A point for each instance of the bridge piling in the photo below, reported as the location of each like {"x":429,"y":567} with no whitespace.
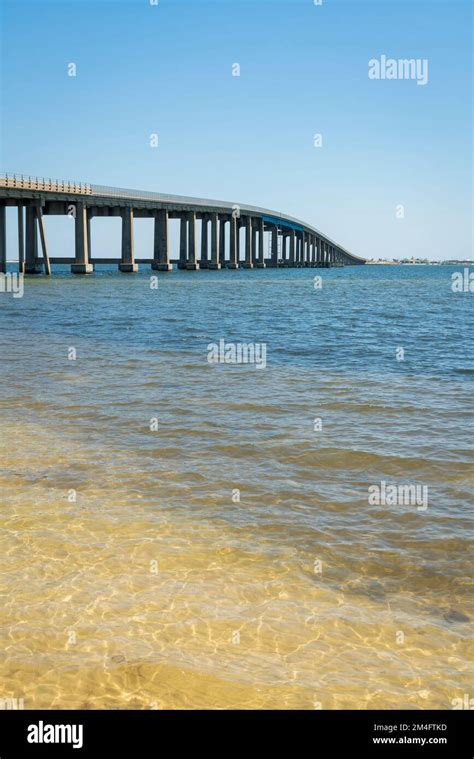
{"x":32,"y":265}
{"x":288,"y":250}
{"x":183,"y":242}
{"x":3,"y":240}
{"x":248,"y":263}
{"x":161,"y":253}
{"x":282,"y":261}
{"x":89,"y":215}
{"x":273,"y":261}
{"x":21,"y":240}
{"x":261,"y":244}
{"x":214,"y":263}
{"x":234,"y":255}
{"x":81,"y":263}
{"x":222,"y":224}
{"x":254,"y":243}
{"x":192,"y":264}
{"x":127,"y":263}
{"x":291,"y":252}
{"x":204,"y":260}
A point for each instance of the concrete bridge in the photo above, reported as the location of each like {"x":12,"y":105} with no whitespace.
{"x":292,"y":243}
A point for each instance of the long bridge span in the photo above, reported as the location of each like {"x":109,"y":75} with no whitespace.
{"x":292,"y":243}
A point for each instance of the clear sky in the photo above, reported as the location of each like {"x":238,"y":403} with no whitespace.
{"x":143,"y":69}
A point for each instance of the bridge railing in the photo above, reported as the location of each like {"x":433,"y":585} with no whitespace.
{"x":123,"y":192}
{"x":27,"y":182}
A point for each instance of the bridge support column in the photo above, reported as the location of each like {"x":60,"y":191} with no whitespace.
{"x":318,"y":251}
{"x":32,"y":265}
{"x":161,"y":251}
{"x":192,"y":264}
{"x":204,"y":260}
{"x":214,"y":263}
{"x":261,"y":244}
{"x":283,"y":249}
{"x":89,"y":233}
{"x":273,"y":262}
{"x":291,"y":261}
{"x":313,"y":252}
{"x":254,"y":242}
{"x":248,"y":264}
{"x":183,"y":243}
{"x":21,"y":241}
{"x":234,"y":244}
{"x":307,"y":250}
{"x":3,"y":240}
{"x":81,"y":263}
{"x":127,"y":263}
{"x":222,"y":223}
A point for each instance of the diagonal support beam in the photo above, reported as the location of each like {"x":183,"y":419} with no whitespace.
{"x":44,"y":244}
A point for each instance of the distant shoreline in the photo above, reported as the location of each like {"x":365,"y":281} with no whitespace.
{"x":419,"y":263}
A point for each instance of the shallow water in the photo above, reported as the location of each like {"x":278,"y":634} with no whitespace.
{"x":157,"y":587}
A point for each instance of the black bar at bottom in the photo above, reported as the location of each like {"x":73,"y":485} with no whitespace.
{"x":318,"y":733}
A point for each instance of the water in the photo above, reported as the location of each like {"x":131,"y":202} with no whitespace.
{"x":157,"y":587}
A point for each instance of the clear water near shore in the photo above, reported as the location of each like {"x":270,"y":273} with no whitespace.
{"x":155,"y":588}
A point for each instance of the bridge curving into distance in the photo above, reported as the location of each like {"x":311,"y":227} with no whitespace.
{"x":292,"y":243}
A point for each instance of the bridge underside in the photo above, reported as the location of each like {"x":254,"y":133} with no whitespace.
{"x":268,"y":240}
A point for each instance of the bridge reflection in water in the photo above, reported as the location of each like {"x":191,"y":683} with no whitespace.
{"x":292,"y":243}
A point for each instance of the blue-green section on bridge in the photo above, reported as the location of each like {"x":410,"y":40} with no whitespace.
{"x":282,"y":222}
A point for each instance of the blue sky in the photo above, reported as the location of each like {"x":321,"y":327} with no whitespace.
{"x":167,"y":69}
